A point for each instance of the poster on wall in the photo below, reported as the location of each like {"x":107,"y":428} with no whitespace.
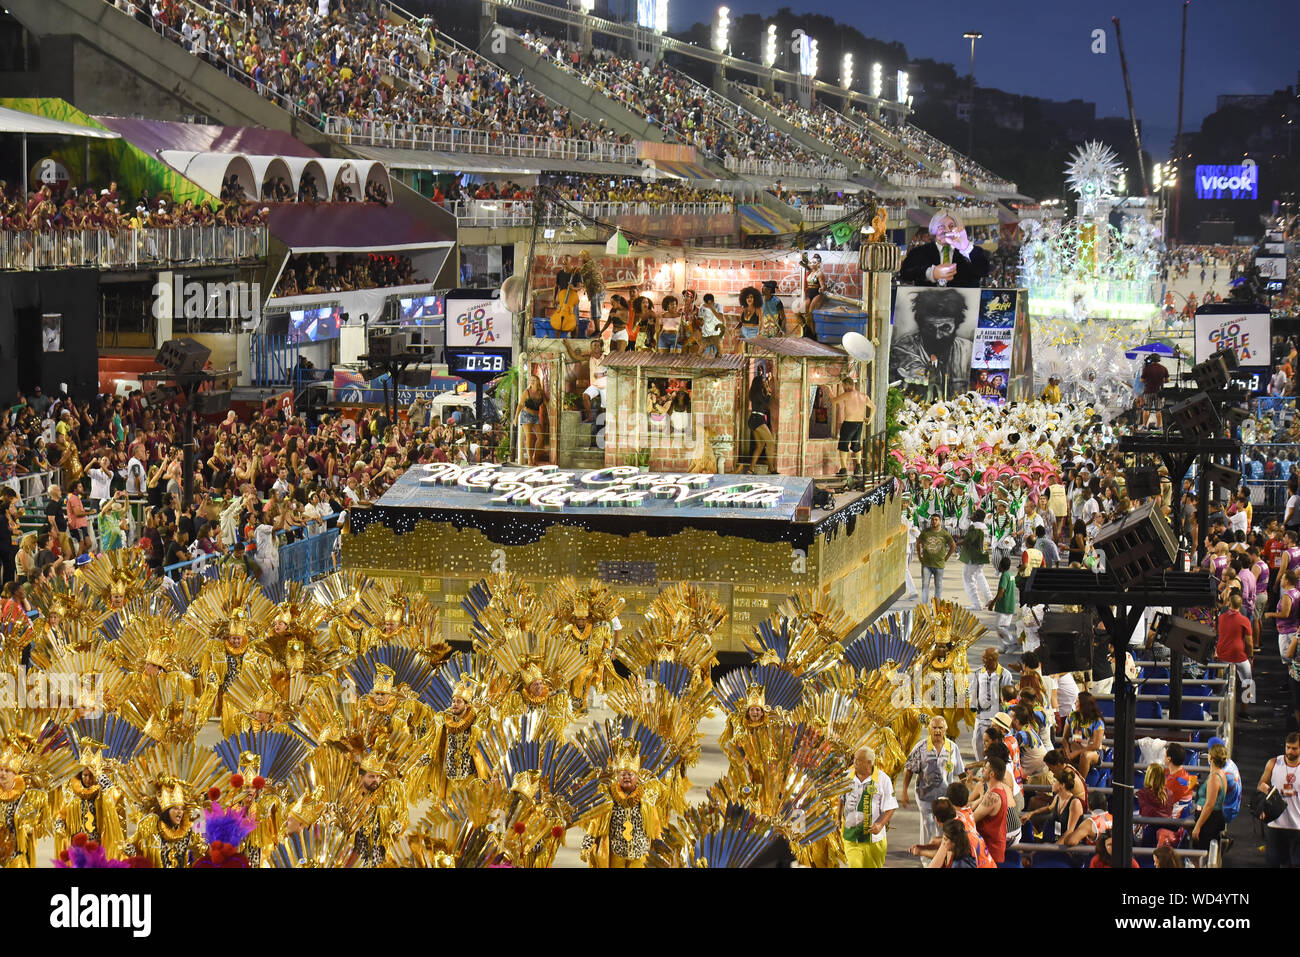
{"x":933,"y":339}
{"x":1271,"y":268}
{"x":478,"y":317}
{"x":52,"y":332}
{"x":978,"y":338}
{"x":992,"y":352}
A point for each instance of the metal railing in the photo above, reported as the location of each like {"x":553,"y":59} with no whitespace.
{"x":130,"y":248}
{"x":1265,"y":470}
{"x":488,"y":212}
{"x":32,"y":486}
{"x":444,"y":139}
{"x":306,"y":559}
{"x":760,"y":167}
{"x":216,"y":60}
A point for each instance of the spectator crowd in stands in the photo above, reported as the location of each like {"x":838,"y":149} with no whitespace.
{"x":258,"y":484}
{"x":48,"y":210}
{"x":309,"y":273}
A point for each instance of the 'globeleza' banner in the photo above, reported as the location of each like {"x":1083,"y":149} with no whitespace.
{"x":1245,"y":333}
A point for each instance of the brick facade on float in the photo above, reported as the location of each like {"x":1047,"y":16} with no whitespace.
{"x":716,"y":405}
{"x":721,"y":274}
{"x":803,"y":447}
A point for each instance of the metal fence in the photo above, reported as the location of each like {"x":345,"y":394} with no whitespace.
{"x":761,"y":167}
{"x":1265,"y":470}
{"x":445,"y":139}
{"x":489,"y":212}
{"x":313,"y":556}
{"x":131,"y":248}
{"x":32,"y":486}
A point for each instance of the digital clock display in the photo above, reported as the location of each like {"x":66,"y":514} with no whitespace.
{"x":469,"y":362}
{"x":482,"y":364}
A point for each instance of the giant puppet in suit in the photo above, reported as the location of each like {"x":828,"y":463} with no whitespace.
{"x":951,"y":259}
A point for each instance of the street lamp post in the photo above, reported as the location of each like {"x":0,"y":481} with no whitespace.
{"x":972,"y":36}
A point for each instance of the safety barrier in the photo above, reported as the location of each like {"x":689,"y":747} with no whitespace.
{"x":760,"y":167}
{"x":32,"y":486}
{"x":516,"y":212}
{"x":130,"y":248}
{"x":446,"y":139}
{"x":309,"y":558}
{"x":1265,"y":470}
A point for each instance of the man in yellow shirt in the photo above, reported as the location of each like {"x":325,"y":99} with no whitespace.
{"x":1053,"y":391}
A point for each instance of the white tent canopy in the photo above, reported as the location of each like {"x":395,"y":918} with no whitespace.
{"x":18,"y":123}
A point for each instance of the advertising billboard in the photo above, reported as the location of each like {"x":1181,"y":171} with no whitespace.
{"x":476,"y":317}
{"x":1227,"y":182}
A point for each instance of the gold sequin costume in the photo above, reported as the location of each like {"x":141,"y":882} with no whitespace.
{"x":97,"y":809}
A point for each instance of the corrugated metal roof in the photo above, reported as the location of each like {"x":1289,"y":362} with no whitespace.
{"x":672,"y":361}
{"x":798,"y":346}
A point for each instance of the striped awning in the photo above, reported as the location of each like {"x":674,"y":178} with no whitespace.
{"x":760,"y":221}
{"x":680,"y":170}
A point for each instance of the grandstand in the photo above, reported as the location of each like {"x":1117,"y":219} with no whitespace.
{"x":265,"y":143}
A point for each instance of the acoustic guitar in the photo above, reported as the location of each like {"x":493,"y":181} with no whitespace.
{"x":565,"y":316}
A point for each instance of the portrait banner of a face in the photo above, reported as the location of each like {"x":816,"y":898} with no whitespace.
{"x":52,"y":332}
{"x":934,"y":329}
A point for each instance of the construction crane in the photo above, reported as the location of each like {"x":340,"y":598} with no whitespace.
{"x":1132,"y":114}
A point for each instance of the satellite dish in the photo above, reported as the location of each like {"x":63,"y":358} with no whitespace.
{"x":512,"y":293}
{"x":858,"y":346}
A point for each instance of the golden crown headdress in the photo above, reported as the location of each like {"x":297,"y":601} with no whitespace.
{"x":530,"y":672}
{"x":755,"y":697}
{"x":374,"y":763}
{"x":627,"y":756}
{"x":92,"y":755}
{"x":238,"y":625}
{"x":160,"y":650}
{"x":465,"y":688}
{"x":395,"y":613}
{"x":118,"y":588}
{"x":250,"y":761}
{"x":384,"y":676}
{"x":171,"y":793}
{"x":12,"y":759}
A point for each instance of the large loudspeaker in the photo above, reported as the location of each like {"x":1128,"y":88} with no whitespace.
{"x":414,"y":378}
{"x":1212,"y":374}
{"x":208,"y":402}
{"x":1066,"y":640}
{"x":183,"y":357}
{"x":1193,"y":639}
{"x":1229,"y":357}
{"x":1138,"y":544}
{"x":1142,"y":482}
{"x":1195,"y":418}
{"x":386,"y":344}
